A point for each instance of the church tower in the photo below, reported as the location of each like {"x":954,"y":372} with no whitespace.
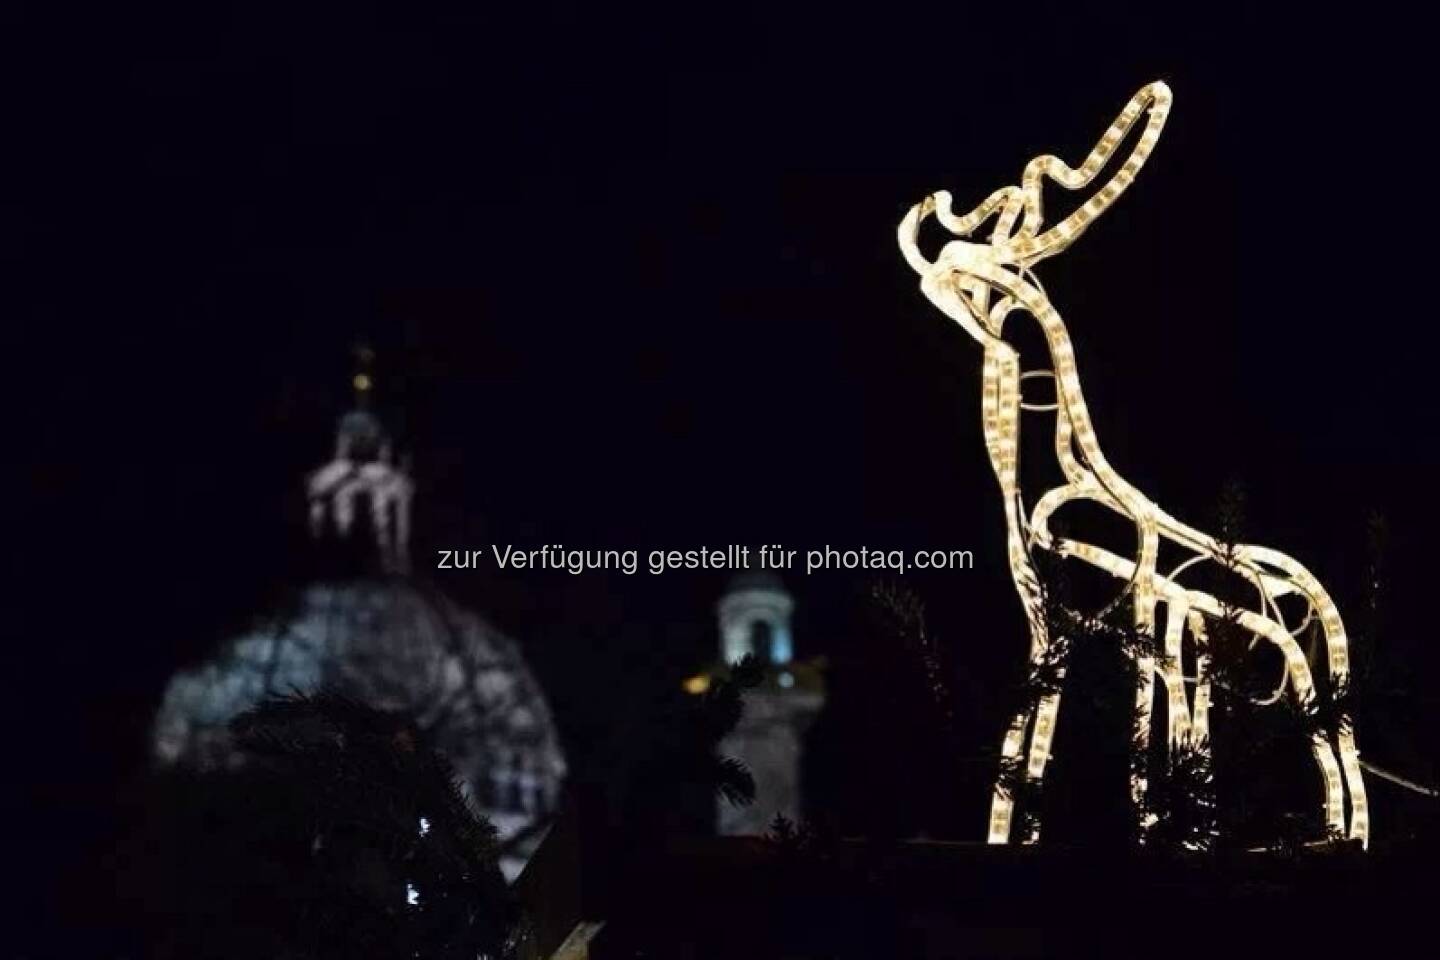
{"x":361,"y":491}
{"x":754,"y":617}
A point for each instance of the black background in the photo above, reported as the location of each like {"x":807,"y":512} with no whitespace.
{"x":632,"y":280}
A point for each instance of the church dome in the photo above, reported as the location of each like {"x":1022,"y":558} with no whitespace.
{"x":392,"y":641}
{"x":396,"y":644}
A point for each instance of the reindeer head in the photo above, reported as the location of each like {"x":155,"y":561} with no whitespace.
{"x":960,"y":279}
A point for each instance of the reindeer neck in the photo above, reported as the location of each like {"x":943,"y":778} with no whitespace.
{"x":1076,"y":445}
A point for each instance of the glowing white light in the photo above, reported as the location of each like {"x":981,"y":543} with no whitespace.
{"x":412,"y":896}
{"x":962,"y":281}
{"x":424,"y":826}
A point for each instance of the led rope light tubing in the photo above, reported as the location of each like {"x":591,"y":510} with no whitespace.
{"x":962,"y":281}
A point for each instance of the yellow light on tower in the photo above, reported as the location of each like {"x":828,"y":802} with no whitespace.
{"x":978,"y":283}
{"x":364,"y":363}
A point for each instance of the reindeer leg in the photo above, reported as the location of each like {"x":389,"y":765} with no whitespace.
{"x":1144,"y":584}
{"x":1338,"y":667}
{"x":1143,"y":730}
{"x":1338,"y":663}
{"x":1301,"y":682}
{"x":1047,"y":712}
{"x":1044,"y":708}
{"x":1177,"y":712}
{"x":1200,"y":716}
{"x":1002,"y":803}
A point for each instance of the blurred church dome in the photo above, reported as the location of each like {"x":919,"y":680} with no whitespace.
{"x":391,"y":640}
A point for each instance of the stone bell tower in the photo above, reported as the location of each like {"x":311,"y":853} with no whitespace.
{"x":754,"y":619}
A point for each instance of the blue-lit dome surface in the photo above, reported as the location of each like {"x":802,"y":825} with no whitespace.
{"x":399,"y":645}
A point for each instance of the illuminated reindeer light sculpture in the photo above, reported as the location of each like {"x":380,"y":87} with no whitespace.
{"x":978,"y":285}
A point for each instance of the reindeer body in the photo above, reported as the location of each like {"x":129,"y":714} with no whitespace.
{"x":979,"y":285}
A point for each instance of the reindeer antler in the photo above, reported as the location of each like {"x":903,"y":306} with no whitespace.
{"x":1020,"y":209}
{"x":1154,"y":99}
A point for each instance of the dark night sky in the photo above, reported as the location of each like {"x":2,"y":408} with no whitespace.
{"x":633,"y":281}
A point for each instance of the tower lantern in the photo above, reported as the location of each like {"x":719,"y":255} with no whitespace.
{"x":754,"y":619}
{"x":361,"y":487}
